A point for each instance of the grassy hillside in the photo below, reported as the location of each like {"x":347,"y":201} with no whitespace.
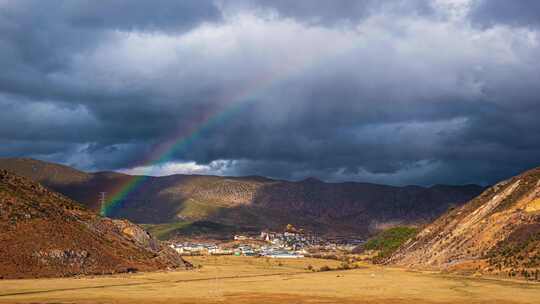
{"x":248,"y":280}
{"x":191,"y":229}
{"x":44,"y":172}
{"x":388,"y":241}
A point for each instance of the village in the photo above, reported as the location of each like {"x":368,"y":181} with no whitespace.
{"x":290,"y":244}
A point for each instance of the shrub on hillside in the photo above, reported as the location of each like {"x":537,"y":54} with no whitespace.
{"x":325,"y":268}
{"x":388,"y":241}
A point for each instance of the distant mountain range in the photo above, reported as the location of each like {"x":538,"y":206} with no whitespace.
{"x":45,"y":234}
{"x":250,"y":203}
{"x":497,"y":232}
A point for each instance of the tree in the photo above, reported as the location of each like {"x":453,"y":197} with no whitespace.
{"x":290,"y":228}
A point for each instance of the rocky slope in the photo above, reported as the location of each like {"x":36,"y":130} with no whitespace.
{"x":497,"y":232}
{"x":44,"y":234}
{"x":252,"y":202}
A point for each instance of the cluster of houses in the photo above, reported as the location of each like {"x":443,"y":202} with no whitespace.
{"x":268,"y":244}
{"x":200,"y":249}
{"x":291,"y":240}
{"x":239,"y":250}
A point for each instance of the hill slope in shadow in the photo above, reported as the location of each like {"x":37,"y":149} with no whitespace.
{"x":252,"y":202}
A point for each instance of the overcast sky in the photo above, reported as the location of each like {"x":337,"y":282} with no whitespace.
{"x":397,"y":91}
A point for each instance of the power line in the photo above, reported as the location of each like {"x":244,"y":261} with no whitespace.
{"x":102,"y":201}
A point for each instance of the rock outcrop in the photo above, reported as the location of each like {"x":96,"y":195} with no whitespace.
{"x":44,"y":234}
{"x":497,"y":232}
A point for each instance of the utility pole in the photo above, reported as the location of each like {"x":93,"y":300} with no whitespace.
{"x":102,"y":201}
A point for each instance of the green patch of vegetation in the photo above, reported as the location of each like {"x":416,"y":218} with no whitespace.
{"x":164,"y":231}
{"x":206,"y":227}
{"x":169,"y":230}
{"x":195,"y":210}
{"x":388,"y":241}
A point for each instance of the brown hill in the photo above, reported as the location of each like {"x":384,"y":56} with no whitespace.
{"x":252,"y":202}
{"x":497,"y":232}
{"x":44,"y":234}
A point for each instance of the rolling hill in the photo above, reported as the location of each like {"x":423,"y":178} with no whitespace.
{"x":251,"y":203}
{"x":497,"y":232}
{"x":44,"y":234}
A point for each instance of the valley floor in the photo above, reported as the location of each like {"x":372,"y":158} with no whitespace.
{"x":243,"y":280}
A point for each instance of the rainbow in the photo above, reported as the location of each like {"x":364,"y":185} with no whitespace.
{"x":233,"y":103}
{"x":165,"y":151}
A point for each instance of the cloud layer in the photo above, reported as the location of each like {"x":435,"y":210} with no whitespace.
{"x":401,"y":92}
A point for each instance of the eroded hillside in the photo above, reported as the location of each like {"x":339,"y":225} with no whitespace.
{"x":44,"y":234}
{"x":497,"y":232}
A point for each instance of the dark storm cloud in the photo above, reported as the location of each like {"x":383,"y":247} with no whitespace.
{"x":40,"y":39}
{"x":111,"y":15}
{"x":160,"y":15}
{"x":519,"y":13}
{"x":40,"y":42}
{"x":337,"y":11}
{"x":273,"y":88}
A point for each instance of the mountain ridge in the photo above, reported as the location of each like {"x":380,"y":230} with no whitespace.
{"x":4,"y":163}
{"x":252,"y":203}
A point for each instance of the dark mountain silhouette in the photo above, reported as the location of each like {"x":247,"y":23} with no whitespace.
{"x":252,"y":202}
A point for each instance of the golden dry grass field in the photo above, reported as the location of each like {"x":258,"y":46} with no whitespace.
{"x":243,"y":280}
